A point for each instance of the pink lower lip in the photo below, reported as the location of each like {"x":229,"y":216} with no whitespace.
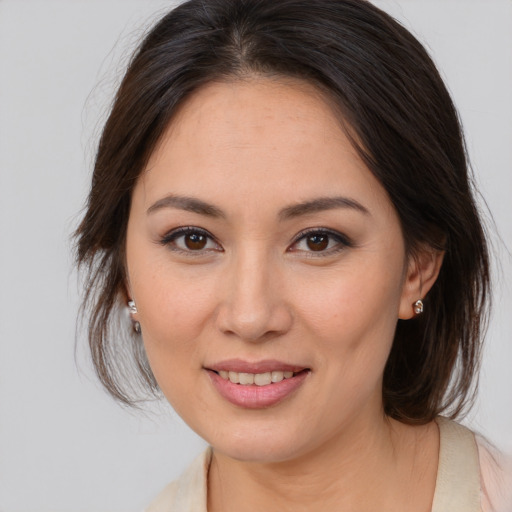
{"x":256,"y":397}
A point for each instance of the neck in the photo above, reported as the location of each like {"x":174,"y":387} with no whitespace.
{"x":363,"y":469}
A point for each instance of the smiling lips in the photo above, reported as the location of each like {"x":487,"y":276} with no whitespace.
{"x":256,"y":385}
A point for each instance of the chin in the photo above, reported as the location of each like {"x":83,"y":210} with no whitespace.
{"x":258,"y":451}
{"x":256,"y":443}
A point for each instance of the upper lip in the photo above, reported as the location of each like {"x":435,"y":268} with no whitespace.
{"x":264,"y":366}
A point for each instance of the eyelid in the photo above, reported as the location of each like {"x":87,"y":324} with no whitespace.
{"x":343,"y":241}
{"x":176,"y":233}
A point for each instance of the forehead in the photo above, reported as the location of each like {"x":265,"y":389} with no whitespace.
{"x":257,"y":136}
{"x":262,"y":99}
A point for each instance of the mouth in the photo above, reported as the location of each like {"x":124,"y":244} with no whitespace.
{"x":257,"y":385}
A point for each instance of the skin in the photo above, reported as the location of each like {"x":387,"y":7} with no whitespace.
{"x":258,"y":290}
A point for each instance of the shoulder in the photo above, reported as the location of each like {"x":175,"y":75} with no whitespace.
{"x":188,"y":493}
{"x":470,"y":467}
{"x":496,"y":478}
{"x":472,"y":474}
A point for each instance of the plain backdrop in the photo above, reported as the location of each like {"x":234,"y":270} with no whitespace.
{"x":64,"y":445}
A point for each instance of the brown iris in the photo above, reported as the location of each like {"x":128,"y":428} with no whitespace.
{"x":317,"y":242}
{"x":195,"y":241}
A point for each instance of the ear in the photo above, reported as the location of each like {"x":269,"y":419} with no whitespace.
{"x":126,"y":287}
{"x":422,"y":271}
{"x":127,"y":292}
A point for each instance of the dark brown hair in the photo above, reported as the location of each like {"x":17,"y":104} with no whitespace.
{"x":403,"y":124}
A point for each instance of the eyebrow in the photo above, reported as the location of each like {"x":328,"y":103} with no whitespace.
{"x":319,"y":204}
{"x":189,"y":204}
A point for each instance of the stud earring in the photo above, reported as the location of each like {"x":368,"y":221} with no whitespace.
{"x":418,"y":307}
{"x":132,"y":307}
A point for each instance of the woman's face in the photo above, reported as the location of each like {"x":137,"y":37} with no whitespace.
{"x":260,"y":245}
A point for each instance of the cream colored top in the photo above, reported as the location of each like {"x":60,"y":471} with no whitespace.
{"x":469,"y":478}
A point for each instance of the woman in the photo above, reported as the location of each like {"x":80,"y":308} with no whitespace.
{"x":282,"y":203}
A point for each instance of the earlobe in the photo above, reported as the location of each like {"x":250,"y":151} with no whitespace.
{"x":422,"y":272}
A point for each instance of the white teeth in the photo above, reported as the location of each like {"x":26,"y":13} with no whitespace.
{"x":246,"y":379}
{"x":234,"y":377}
{"x":277,"y":376}
{"x":260,"y":379}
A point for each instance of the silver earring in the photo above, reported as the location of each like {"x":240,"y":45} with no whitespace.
{"x":132,"y":307}
{"x":418,"y":307}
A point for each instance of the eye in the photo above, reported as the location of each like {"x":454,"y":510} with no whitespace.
{"x":321,"y":241}
{"x":191,"y":240}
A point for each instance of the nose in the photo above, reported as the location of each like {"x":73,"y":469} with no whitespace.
{"x":253,"y":307}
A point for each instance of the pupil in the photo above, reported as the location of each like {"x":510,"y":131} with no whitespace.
{"x":195,"y":241}
{"x":318,"y":242}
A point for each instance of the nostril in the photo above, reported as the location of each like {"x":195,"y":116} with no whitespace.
{"x":257,"y":323}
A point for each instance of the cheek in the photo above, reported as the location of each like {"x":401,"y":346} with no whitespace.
{"x":352,"y":315}
{"x":173,"y":307}
{"x":352,"y":321}
{"x":173,"y":311}
{"x":173,"y":316}
{"x":345,"y":303}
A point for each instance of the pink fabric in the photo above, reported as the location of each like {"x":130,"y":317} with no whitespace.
{"x":496,"y":478}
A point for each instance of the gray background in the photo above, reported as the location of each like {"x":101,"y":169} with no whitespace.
{"x":64,"y":445}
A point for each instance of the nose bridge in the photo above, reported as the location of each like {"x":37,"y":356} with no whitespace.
{"x":254,"y":306}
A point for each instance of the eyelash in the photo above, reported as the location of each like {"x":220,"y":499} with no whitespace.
{"x":170,"y":238}
{"x":342,"y":241}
